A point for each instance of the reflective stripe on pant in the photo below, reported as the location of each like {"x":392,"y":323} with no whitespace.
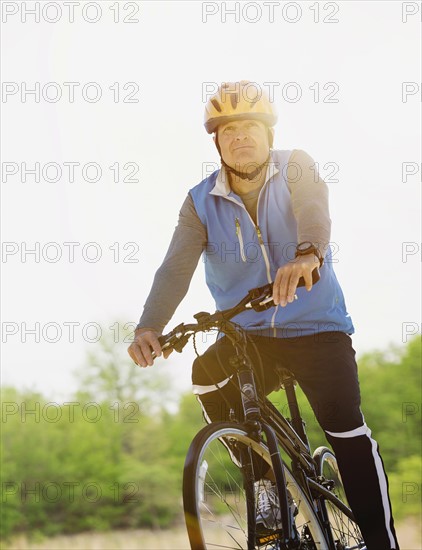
{"x":324,"y":366}
{"x":356,"y":451}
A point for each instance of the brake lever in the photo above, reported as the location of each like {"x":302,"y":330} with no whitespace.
{"x":175,"y":342}
{"x":163,"y":348}
{"x":181,"y":343}
{"x":258,"y":303}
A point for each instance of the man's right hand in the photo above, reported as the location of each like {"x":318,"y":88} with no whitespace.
{"x":140,"y":348}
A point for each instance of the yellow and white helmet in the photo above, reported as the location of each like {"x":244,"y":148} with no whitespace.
{"x":238,"y":101}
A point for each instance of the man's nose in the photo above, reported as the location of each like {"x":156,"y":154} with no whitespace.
{"x":241,"y":134}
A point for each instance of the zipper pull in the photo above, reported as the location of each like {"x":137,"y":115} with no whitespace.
{"x":240,"y":238}
{"x":258,"y":232}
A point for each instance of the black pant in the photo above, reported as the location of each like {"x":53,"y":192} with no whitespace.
{"x":324,"y":366}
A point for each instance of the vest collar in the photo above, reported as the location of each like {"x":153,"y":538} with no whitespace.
{"x":222,"y":187}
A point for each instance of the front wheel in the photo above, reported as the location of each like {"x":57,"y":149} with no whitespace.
{"x":345,"y":531}
{"x":224,"y":470}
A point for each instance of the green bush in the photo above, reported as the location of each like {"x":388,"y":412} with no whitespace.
{"x":405,"y":489}
{"x":118,"y":462}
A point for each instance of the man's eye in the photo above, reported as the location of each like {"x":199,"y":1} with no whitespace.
{"x":228,"y":129}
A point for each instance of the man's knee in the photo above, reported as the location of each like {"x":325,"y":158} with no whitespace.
{"x":216,"y":409}
{"x":211,"y":407}
{"x":198,"y":369}
{"x":333,"y":416}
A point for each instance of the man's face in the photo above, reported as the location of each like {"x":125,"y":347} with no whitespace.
{"x":244,"y":144}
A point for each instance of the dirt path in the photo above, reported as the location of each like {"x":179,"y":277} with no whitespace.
{"x":409,"y":533}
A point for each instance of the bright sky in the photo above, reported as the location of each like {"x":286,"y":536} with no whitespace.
{"x":363,"y":55}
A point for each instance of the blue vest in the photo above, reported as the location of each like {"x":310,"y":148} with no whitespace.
{"x":240,"y":256}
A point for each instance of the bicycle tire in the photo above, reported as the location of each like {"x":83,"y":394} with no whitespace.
{"x":215,"y":499}
{"x":345,"y":531}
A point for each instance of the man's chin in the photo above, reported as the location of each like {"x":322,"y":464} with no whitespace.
{"x":244,"y":165}
{"x":243,"y":158}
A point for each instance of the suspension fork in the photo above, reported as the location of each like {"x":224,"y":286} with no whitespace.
{"x":252,"y":420}
{"x":248,"y":483}
{"x":290,"y":539}
{"x":254,"y":426}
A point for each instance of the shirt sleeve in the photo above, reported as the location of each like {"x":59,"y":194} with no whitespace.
{"x":309,"y":195}
{"x":173,"y":277}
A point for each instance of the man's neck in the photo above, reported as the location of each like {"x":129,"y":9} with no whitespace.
{"x":242,"y":186}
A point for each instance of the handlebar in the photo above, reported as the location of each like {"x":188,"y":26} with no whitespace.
{"x":258,"y":299}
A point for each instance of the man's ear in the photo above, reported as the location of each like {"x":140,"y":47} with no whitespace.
{"x":215,"y":138}
{"x":271,"y":137}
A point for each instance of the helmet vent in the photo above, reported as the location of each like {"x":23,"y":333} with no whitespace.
{"x":237,"y":101}
{"x":216,"y":104}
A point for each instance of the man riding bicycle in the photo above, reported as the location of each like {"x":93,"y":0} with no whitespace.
{"x":264,"y":217}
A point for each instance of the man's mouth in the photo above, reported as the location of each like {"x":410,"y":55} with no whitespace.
{"x":243,"y":147}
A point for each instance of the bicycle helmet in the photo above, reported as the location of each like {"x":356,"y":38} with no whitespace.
{"x":238,"y":101}
{"x":242,"y":100}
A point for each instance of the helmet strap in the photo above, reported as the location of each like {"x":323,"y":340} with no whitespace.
{"x":246,"y":175}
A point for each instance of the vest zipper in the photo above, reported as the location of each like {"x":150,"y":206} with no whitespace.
{"x":261,"y":243}
{"x":264,"y":252}
{"x":240,"y":238}
{"x":267,"y":264}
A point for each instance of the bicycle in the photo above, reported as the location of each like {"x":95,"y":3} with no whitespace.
{"x":228,"y":464}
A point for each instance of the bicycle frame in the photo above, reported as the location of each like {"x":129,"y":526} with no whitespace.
{"x":264,"y":417}
{"x":261,"y":416}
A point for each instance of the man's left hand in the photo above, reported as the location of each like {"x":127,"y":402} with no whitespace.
{"x":288,"y":276}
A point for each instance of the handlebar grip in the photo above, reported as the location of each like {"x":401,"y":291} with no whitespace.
{"x":315,"y":278}
{"x":168,"y":341}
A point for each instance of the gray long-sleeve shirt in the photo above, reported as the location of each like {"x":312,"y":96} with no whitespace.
{"x":309,"y":196}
